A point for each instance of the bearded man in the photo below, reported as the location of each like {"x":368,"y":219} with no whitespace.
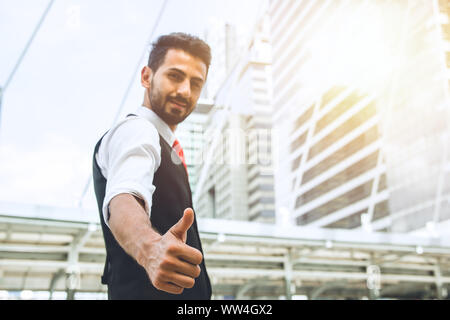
{"x":141,"y":183}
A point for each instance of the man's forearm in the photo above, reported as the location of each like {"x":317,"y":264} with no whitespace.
{"x":170,"y":263}
{"x":131,"y":226}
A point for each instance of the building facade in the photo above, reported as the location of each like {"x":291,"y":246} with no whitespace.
{"x":238,"y":177}
{"x":350,"y":116}
{"x":227,"y":42}
{"x":190,"y":133}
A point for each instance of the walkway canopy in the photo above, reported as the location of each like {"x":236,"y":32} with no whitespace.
{"x":244,"y":259}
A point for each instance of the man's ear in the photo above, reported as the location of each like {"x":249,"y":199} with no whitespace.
{"x":146,"y":76}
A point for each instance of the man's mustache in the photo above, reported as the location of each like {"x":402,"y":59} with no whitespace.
{"x":180,"y":100}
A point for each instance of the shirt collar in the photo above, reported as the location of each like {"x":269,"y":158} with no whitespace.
{"x":162,"y":127}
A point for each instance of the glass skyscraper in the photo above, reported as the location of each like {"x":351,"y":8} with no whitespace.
{"x":361,"y":114}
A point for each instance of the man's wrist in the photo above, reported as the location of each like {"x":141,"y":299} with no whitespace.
{"x":147,"y":249}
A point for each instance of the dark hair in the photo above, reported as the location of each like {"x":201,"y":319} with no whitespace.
{"x":178,"y":40}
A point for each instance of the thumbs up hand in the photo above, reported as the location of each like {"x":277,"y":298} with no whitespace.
{"x":171,"y":264}
{"x":180,"y":229}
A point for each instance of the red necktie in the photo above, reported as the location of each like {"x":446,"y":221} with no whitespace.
{"x":177,"y":147}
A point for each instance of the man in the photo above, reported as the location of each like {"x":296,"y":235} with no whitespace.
{"x":141,"y":183}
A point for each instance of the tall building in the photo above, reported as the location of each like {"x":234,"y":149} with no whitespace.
{"x":258,"y":126}
{"x":223,"y":191}
{"x":417,"y":129}
{"x":227,"y":42}
{"x":238,"y":181}
{"x":190,"y":133}
{"x":350,"y":115}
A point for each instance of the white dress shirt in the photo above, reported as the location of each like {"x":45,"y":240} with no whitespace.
{"x":130,"y":154}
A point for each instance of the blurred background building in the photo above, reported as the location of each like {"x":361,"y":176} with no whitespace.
{"x":362,"y":119}
{"x":237,"y":181}
{"x":318,"y":157}
{"x":191,"y":136}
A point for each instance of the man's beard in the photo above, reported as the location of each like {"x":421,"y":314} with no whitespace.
{"x":158,"y":103}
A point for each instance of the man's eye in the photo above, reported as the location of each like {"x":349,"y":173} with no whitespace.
{"x":196,"y":85}
{"x":175,"y":76}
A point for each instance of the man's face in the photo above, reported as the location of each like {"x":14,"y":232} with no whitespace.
{"x":176,"y":86}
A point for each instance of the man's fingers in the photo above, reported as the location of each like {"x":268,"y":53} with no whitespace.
{"x":186,"y":253}
{"x":188,"y":269}
{"x":182,"y":267}
{"x":182,"y":280}
{"x":173,"y":281}
{"x":193,"y":256}
{"x":182,"y":226}
{"x":169,"y":287}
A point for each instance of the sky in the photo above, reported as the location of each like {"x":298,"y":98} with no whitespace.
{"x":70,"y":84}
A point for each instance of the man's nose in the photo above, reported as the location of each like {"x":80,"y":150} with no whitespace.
{"x":184,"y":89}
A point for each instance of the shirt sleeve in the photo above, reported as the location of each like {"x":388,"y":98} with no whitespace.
{"x":130,"y":156}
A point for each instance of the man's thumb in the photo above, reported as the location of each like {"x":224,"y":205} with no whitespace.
{"x":182,"y":226}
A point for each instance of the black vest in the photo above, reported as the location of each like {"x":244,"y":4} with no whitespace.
{"x":125,"y":278}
